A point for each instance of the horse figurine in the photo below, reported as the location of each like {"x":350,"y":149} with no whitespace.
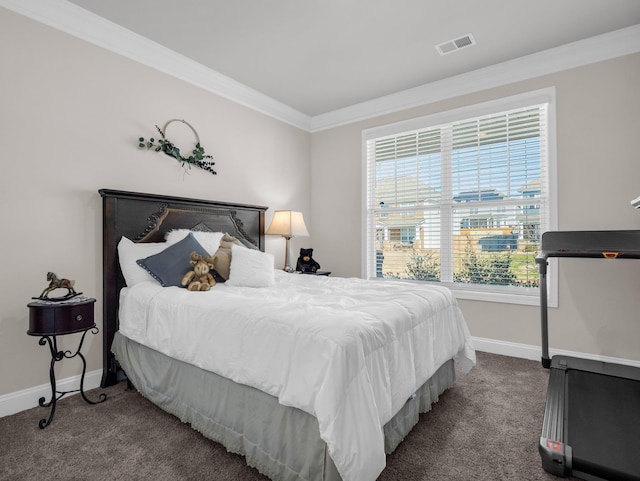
{"x":55,"y":283}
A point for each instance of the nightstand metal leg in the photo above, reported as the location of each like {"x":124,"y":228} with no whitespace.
{"x":102,"y":396}
{"x":58,"y":356}
{"x":55,"y":357}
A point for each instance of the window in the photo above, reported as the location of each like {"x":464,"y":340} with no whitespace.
{"x":462,"y":198}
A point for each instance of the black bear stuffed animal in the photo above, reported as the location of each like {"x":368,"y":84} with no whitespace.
{"x":306,"y":262}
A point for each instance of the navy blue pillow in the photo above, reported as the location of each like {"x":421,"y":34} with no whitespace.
{"x":169,"y":266}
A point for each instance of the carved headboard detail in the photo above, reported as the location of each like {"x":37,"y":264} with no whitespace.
{"x":168,"y":218}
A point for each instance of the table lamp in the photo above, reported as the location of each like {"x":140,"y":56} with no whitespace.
{"x":288,"y":224}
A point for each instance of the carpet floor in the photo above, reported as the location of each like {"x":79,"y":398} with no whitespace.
{"x":486,"y":427}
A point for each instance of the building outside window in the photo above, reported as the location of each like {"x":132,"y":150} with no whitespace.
{"x":462,"y":198}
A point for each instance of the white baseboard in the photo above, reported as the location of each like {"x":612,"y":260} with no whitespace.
{"x":534,"y":353}
{"x":504,"y":348}
{"x":28,"y":398}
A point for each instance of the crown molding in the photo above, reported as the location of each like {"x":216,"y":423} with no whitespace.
{"x":68,"y":17}
{"x":584,"y":52}
{"x":74,"y":20}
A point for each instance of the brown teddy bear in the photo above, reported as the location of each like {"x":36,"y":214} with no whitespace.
{"x":199,"y":279}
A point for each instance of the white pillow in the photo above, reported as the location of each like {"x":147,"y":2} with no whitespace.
{"x":251,"y":268}
{"x":210,"y":241}
{"x":129,"y":252}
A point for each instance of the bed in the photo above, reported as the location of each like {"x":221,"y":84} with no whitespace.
{"x":308,"y":377}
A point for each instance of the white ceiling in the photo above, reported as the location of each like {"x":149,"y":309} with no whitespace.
{"x":319,"y":64}
{"x":318,"y":56}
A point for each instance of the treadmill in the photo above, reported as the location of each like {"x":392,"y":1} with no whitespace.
{"x":591,"y":426}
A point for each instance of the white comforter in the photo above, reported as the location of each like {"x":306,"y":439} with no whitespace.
{"x":348,"y":351}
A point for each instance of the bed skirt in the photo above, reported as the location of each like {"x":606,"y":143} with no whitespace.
{"x":281,"y":442}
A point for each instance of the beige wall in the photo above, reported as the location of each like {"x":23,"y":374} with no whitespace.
{"x":70,"y":117}
{"x":598,"y":157}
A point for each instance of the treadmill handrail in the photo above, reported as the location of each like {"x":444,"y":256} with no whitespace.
{"x":603,"y":244}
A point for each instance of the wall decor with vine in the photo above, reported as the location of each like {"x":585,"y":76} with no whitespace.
{"x":163,"y":144}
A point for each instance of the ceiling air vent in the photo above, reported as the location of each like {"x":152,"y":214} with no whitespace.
{"x":456,"y":44}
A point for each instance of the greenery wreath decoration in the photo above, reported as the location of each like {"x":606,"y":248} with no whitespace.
{"x":165,"y":145}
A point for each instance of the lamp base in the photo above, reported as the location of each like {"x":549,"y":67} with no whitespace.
{"x":287,"y":267}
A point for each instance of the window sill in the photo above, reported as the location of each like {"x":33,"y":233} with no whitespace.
{"x":461,"y":292}
{"x":510,"y":296}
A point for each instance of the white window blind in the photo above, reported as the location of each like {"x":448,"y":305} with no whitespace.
{"x":463,"y":202}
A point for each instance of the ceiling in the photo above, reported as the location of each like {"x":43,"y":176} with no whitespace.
{"x":317,"y":56}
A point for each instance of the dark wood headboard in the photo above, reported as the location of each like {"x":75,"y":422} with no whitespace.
{"x":147,"y":218}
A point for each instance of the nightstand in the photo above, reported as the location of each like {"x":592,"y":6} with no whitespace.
{"x":50,"y":319}
{"x":318,"y":273}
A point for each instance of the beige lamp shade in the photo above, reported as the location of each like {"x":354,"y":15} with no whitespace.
{"x":288,"y":224}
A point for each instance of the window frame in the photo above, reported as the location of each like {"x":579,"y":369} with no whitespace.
{"x":491,"y":293}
